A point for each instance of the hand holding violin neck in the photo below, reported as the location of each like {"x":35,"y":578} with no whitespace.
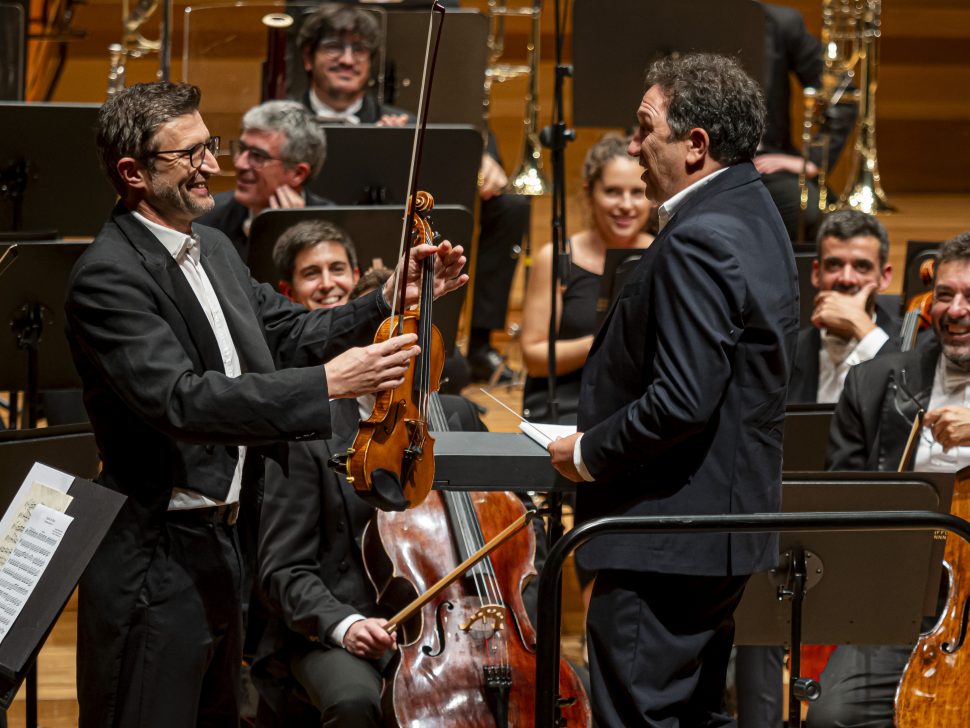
{"x":447,"y":276}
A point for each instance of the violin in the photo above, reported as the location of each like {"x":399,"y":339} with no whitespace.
{"x":391,"y":462}
{"x":917,"y":316}
{"x":936,"y":682}
{"x":468,"y":657}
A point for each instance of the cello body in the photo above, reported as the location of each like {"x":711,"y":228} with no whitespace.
{"x":935,"y":689}
{"x":467,"y":660}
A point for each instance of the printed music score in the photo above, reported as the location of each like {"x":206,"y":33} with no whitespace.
{"x":542,"y":433}
{"x":30,"y":532}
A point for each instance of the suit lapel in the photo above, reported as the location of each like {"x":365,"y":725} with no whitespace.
{"x":909,"y":389}
{"x":169,"y":277}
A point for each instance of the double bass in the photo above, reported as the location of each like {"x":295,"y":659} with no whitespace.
{"x":936,"y":682}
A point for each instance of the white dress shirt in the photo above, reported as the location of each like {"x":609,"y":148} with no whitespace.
{"x":836,"y":356}
{"x":951,"y":386}
{"x":327,"y":113}
{"x":665,"y":212}
{"x":185,"y":249}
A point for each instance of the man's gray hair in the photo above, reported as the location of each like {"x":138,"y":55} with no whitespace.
{"x":127,"y":122}
{"x":713,"y":93}
{"x":304,"y":140}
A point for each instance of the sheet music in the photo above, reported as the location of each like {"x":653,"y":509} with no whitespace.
{"x":38,"y":537}
{"x":544,"y":434}
{"x":36,"y":494}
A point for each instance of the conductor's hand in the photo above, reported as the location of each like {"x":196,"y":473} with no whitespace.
{"x":845,"y":314}
{"x":447,"y":271}
{"x":367,"y":638}
{"x":950,"y":426}
{"x":286,"y":198}
{"x":561,"y":450}
{"x":374,"y":368}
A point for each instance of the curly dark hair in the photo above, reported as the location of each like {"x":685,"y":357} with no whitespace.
{"x":127,"y":122}
{"x":712,"y":92}
{"x":955,"y":249}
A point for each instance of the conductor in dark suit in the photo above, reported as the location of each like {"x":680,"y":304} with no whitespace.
{"x":682,"y":402}
{"x":849,"y":323}
{"x":191,"y":372}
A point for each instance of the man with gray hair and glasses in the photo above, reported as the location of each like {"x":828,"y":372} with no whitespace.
{"x":193,"y":373}
{"x":280,"y":149}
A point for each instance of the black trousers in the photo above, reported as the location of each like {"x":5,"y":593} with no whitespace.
{"x":659,"y":646}
{"x":182,"y":655}
{"x":760,"y":689}
{"x":504,"y":221}
{"x":859,"y":687}
{"x":345,"y":690}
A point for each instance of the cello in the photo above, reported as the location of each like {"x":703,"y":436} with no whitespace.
{"x":468,"y":658}
{"x":936,"y":682}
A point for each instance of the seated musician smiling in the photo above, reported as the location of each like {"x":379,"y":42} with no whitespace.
{"x":327,"y":630}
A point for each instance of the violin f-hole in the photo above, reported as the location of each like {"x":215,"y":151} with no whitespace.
{"x":949,"y":647}
{"x":439,"y":629}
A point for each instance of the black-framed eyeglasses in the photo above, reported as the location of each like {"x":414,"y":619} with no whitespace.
{"x":334,"y":48}
{"x":258,"y":158}
{"x":195,"y":154}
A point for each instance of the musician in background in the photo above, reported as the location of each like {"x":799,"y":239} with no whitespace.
{"x":618,"y":211}
{"x":327,"y":633}
{"x":280,"y":149}
{"x":791,"y":50}
{"x":682,"y":402}
{"x":869,"y":432}
{"x":849,"y":323}
{"x":337,"y":43}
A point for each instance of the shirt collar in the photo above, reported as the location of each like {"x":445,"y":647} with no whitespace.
{"x":953,"y":377}
{"x":176,"y":243}
{"x":668,"y":208}
{"x":324,"y":112}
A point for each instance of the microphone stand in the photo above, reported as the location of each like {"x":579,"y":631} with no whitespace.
{"x":555,"y":137}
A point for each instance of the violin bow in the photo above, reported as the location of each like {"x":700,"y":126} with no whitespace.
{"x":417,"y":150}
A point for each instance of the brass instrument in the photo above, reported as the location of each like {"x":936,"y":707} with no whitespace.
{"x":135,"y":45}
{"x":864,"y":190}
{"x":850,"y":35}
{"x":527,"y":179}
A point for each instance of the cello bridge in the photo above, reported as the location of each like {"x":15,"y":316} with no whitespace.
{"x":492,"y":617}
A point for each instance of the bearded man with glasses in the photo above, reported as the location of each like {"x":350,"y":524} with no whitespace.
{"x":193,"y":373}
{"x":280,"y":149}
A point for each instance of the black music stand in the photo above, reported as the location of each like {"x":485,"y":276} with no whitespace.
{"x":376,"y":232}
{"x":806,"y":436}
{"x":619,"y":263}
{"x":369,"y":165}
{"x":846,"y":587}
{"x":619,"y":45}
{"x":71,"y":449}
{"x":34,"y":353}
{"x":13,"y":50}
{"x":50,"y":167}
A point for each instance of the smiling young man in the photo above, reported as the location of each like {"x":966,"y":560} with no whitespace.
{"x":192,"y":372}
{"x":280,"y":149}
{"x":849,"y":325}
{"x":682,"y":402}
{"x":317,"y":264}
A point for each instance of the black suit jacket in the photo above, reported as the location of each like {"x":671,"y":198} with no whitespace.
{"x":803,"y":386}
{"x":164,"y":413}
{"x":879,"y":402}
{"x":228,"y":215}
{"x":683,"y":394}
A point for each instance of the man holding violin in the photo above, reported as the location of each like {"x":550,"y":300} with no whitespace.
{"x":869,"y":431}
{"x":192,"y":373}
{"x":849,"y":324}
{"x":682,"y":402}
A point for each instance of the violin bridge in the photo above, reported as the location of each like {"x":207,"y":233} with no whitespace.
{"x":494,"y":613}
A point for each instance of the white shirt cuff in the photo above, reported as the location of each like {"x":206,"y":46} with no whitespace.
{"x":578,"y":461}
{"x":338,"y":633}
{"x":869,"y":345}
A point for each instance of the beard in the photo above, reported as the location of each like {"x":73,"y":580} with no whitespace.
{"x":958,"y":354}
{"x":176,"y":197}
